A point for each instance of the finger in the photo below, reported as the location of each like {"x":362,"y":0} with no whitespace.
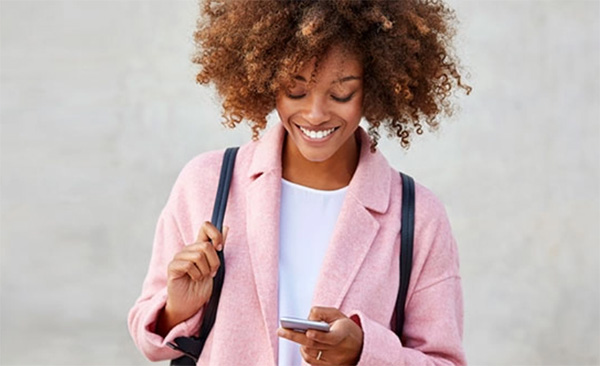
{"x":327,"y":314}
{"x":180,"y":268}
{"x":310,"y":356}
{"x":211,"y":255}
{"x":331,"y":338}
{"x":334,"y":317}
{"x":198,"y":258}
{"x":301,"y":339}
{"x":208,"y":232}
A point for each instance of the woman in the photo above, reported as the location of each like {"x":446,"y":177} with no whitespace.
{"x":313,"y":218}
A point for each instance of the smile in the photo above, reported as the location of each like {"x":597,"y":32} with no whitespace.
{"x":317,"y":135}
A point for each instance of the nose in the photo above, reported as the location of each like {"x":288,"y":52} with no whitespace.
{"x":316,"y":112}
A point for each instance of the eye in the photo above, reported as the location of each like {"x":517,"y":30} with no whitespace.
{"x":342,"y":100}
{"x":337,"y":99}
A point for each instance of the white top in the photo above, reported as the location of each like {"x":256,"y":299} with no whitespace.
{"x":307,"y":219}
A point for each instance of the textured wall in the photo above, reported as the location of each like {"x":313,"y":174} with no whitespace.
{"x":99,"y":112}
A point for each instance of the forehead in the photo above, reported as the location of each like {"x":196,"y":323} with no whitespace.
{"x":336,"y":64}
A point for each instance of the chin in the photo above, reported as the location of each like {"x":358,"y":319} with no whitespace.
{"x":315,"y":158}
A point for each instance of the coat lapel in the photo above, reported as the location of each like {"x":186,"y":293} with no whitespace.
{"x":351,"y":240}
{"x":262,"y":226}
{"x":356,"y":227}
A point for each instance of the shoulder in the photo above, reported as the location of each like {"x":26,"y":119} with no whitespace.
{"x":433,"y":233}
{"x":198,"y":179}
{"x":431,"y":219}
{"x":427,"y":203}
{"x":200,"y":167}
{"x":206,"y":166}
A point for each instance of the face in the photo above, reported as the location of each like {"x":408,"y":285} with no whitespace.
{"x":321,"y":120}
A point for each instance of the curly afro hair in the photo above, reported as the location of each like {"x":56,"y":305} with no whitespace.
{"x":251,"y":49}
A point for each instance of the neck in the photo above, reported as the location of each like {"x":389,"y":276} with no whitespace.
{"x":331,"y":174}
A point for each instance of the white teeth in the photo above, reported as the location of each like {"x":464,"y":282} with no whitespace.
{"x":317,"y":134}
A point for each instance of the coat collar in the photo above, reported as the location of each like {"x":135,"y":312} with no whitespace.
{"x":267,"y":154}
{"x":370,"y":184}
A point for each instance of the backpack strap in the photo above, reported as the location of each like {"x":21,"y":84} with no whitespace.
{"x":406,"y":246}
{"x":191,"y":347}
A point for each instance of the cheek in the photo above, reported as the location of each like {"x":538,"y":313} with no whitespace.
{"x":353,"y":112}
{"x":282,"y":109}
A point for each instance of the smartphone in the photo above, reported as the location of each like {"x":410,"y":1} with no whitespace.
{"x":302,"y":325}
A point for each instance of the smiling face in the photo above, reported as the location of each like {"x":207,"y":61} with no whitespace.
{"x":321,"y":119}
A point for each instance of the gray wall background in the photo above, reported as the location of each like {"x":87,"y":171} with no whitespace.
{"x":99,"y":112}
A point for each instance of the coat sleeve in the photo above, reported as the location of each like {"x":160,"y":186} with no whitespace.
{"x":143,"y":315}
{"x":433,"y":327}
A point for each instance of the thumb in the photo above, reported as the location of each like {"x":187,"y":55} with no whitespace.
{"x":326,"y":314}
{"x":225,"y":231}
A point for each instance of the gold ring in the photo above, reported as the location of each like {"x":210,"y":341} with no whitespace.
{"x":319,"y":355}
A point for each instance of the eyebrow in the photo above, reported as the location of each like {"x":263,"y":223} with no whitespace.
{"x":344,"y":79}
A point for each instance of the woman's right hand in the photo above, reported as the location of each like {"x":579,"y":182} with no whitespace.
{"x":190,"y":277}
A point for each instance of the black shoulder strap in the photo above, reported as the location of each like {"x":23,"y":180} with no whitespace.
{"x":192,"y":346}
{"x":406,"y":246}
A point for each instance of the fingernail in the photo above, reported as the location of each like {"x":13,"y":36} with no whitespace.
{"x":220,"y":247}
{"x":213,"y":274}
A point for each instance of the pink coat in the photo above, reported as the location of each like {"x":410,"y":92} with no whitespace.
{"x":359,"y":275}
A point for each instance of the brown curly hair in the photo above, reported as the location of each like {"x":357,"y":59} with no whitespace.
{"x":251,"y":49}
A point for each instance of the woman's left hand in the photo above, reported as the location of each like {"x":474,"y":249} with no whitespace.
{"x":342,"y":345}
